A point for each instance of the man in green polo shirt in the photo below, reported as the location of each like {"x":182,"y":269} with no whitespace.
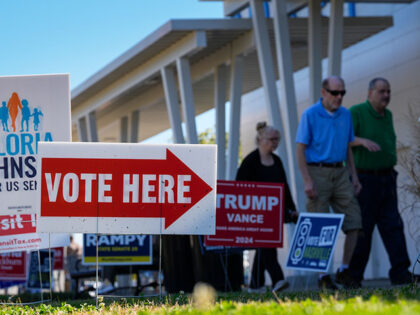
{"x":375,"y":157}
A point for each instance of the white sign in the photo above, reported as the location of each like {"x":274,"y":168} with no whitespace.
{"x":32,"y":109}
{"x":32,"y":241}
{"x":18,"y":232}
{"x":127,"y":188}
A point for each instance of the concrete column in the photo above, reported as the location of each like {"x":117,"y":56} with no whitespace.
{"x":235,"y":113}
{"x":266,"y":64}
{"x":172,"y":103}
{"x":124,"y":129}
{"x":187,"y":98}
{"x":82,"y":129}
{"x":220,"y":78}
{"x":314,"y":50}
{"x":288,"y":104}
{"x":91,"y":127}
{"x":134,"y":126}
{"x":335,"y":37}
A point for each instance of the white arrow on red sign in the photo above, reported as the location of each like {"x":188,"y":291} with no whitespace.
{"x":122,"y":186}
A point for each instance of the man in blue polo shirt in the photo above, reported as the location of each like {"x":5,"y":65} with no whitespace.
{"x":324,"y":157}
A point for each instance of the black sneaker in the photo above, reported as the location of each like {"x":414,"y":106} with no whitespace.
{"x":281,"y":285}
{"x":326,"y":283}
{"x":407,"y":278}
{"x":346,"y":279}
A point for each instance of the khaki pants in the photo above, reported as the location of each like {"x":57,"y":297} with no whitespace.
{"x":335,"y":189}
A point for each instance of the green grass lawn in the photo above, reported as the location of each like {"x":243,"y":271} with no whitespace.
{"x":404,"y":300}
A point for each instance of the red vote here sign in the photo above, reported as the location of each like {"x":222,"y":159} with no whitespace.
{"x":127,"y":186}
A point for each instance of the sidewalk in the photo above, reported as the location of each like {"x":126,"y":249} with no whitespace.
{"x":310,"y":283}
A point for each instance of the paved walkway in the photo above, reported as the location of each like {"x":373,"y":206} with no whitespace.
{"x":310,"y":282}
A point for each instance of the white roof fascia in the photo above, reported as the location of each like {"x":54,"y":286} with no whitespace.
{"x":168,"y":27}
{"x":187,"y":45}
{"x":231,"y":7}
{"x":240,"y":46}
{"x":126,"y":56}
{"x":211,"y":24}
{"x":200,"y":70}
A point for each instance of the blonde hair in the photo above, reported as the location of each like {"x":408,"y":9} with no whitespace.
{"x":262,"y":128}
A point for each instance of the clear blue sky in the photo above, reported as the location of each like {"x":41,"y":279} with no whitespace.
{"x":81,"y":36}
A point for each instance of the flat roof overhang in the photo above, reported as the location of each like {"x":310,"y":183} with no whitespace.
{"x":232,"y":7}
{"x":133,"y":81}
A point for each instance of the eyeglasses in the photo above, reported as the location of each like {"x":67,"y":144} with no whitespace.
{"x":335,"y":93}
{"x":275,"y":139}
{"x":384,"y":91}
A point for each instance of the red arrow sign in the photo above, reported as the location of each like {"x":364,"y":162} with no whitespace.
{"x":135,"y":188}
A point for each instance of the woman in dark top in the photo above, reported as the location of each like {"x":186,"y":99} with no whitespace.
{"x":262,"y":165}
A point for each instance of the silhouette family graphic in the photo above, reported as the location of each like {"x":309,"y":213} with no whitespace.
{"x":11,"y":111}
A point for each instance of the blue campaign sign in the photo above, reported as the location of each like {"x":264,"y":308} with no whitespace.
{"x":118,"y":249}
{"x":8,"y":284}
{"x":314,"y":241}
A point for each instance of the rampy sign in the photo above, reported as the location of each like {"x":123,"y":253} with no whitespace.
{"x":127,"y":188}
